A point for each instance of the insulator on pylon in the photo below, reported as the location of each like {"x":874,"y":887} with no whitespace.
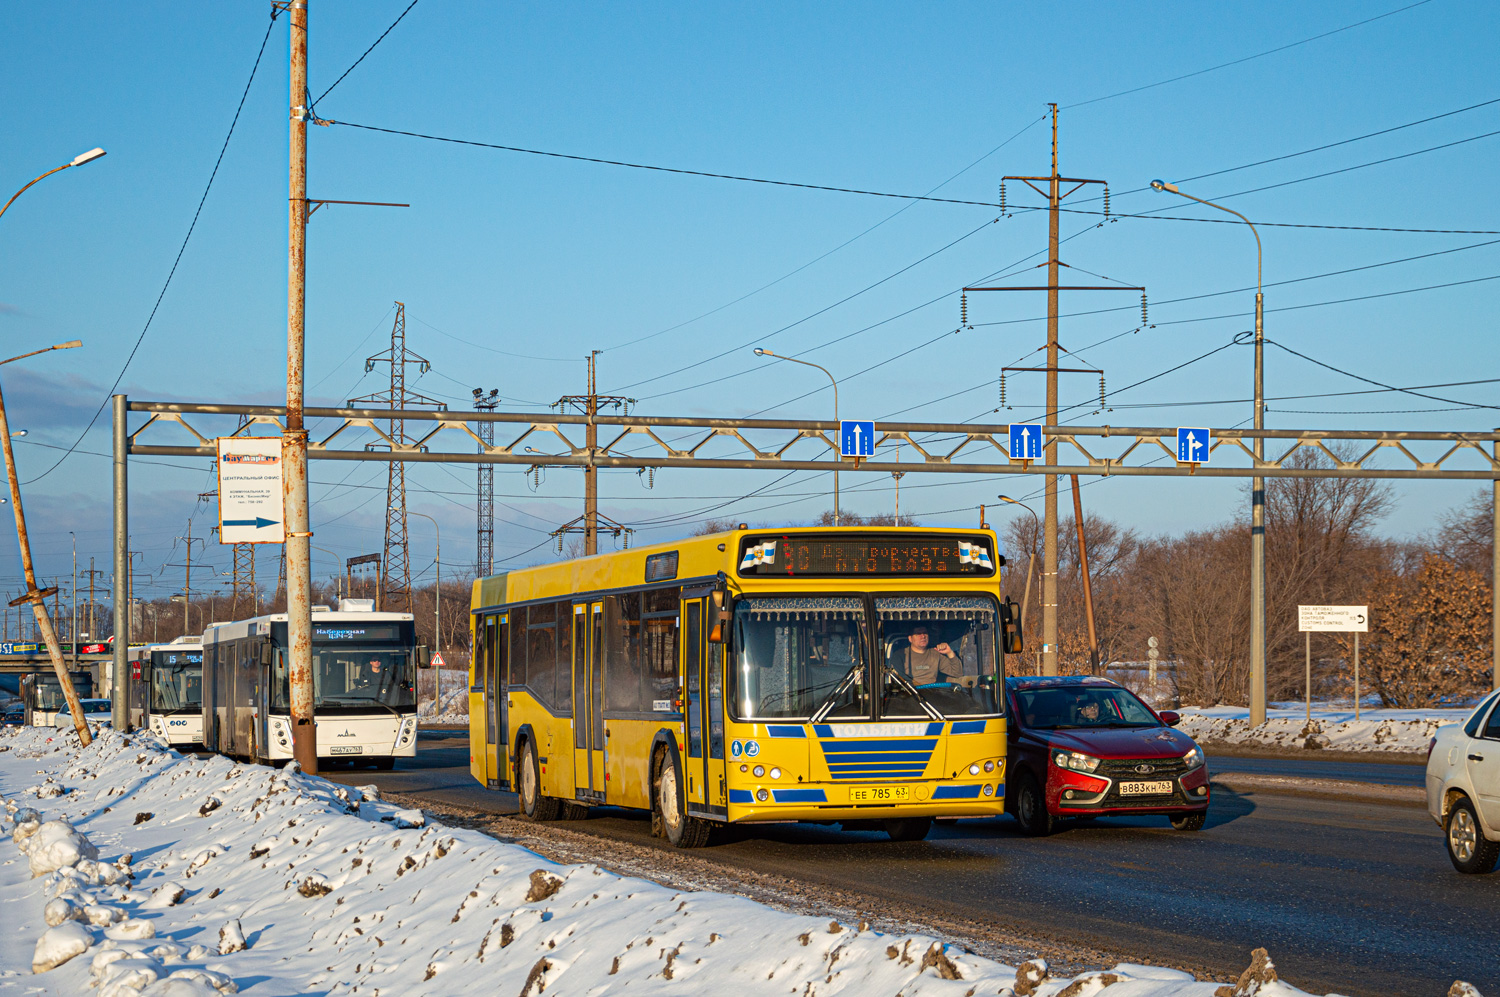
{"x":1002,"y":390}
{"x":1002,"y":197}
{"x":559,"y":543}
{"x":963,"y":310}
{"x":1106,"y":201}
{"x":1101,"y":389}
{"x":1144,"y":319}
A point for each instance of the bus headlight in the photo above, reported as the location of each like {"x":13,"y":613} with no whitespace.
{"x":974,"y":769}
{"x":989,"y":790}
{"x":759,"y":771}
{"x":776,"y":773}
{"x":762,"y":795}
{"x":989,"y":766}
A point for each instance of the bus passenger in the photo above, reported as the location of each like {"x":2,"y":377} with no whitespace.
{"x":928,"y":666}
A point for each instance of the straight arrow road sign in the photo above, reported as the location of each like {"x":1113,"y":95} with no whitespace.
{"x":1025,"y":442}
{"x":856,"y":439}
{"x":250,"y":499}
{"x":1193,"y":445}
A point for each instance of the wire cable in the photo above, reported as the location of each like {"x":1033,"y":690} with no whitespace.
{"x":313,"y":104}
{"x":180,"y":250}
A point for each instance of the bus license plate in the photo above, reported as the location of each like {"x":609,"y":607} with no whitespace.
{"x":1145,"y":788}
{"x":880,"y":794}
{"x":346,"y":749}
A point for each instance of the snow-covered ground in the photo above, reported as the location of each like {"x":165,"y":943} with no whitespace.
{"x":151,"y":874}
{"x":453,"y":707}
{"x":1286,"y":728}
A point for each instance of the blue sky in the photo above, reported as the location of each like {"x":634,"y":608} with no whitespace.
{"x":513,"y":267}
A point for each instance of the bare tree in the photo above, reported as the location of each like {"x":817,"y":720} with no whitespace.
{"x":1466,"y":535}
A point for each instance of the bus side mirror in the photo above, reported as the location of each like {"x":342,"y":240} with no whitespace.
{"x":718,"y":616}
{"x":1010,"y":628}
{"x":424,"y":656}
{"x":267,"y":653}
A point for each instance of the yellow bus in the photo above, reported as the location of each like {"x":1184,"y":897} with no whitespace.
{"x":849,"y":675}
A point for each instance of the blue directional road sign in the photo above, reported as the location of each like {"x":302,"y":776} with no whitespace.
{"x":1025,"y":442}
{"x":1192,"y":446}
{"x":856,"y":439}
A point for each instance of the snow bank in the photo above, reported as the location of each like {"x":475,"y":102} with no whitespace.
{"x":1286,"y":728}
{"x":296,"y":885}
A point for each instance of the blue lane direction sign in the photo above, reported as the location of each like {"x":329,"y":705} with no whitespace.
{"x":856,"y":439}
{"x":1025,"y":442}
{"x":1192,"y":446}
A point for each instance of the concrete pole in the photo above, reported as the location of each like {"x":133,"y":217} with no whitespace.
{"x":1258,"y":524}
{"x":294,"y":440}
{"x":1049,"y":544}
{"x":120,"y":595}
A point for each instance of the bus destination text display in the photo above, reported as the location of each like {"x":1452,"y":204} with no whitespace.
{"x":376,"y":631}
{"x":831,"y":557}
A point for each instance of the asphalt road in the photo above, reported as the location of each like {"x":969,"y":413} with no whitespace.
{"x":1350,"y":897}
{"x":1393,"y":773}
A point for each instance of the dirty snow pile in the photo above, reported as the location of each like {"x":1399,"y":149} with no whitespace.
{"x":143,"y":873}
{"x":1286,"y":728}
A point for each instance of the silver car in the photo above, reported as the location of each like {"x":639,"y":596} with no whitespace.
{"x":96,"y":712}
{"x":1463,"y":787}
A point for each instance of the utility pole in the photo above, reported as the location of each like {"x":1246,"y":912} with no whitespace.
{"x":74,"y":598}
{"x":93,"y":634}
{"x":397,"y":560}
{"x":1055,"y":195}
{"x":187,"y":578}
{"x":590,"y":405}
{"x":298,"y":545}
{"x":484,"y":562}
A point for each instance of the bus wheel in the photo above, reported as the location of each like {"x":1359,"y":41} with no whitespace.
{"x":533,"y":803}
{"x":680,"y":829}
{"x":908,"y":828}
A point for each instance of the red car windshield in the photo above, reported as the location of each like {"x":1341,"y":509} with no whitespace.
{"x":1060,"y":707}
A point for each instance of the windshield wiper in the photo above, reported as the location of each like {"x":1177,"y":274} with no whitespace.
{"x":826,"y":705}
{"x":911,"y":689}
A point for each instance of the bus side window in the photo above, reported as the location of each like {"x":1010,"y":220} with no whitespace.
{"x":715,"y":671}
{"x":562,"y":679}
{"x":516,"y":672}
{"x":623,"y":662}
{"x":541,"y":652}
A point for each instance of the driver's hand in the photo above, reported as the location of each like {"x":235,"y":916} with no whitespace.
{"x":945,"y":650}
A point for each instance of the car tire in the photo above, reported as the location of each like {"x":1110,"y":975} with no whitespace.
{"x":1190,"y":822}
{"x":1031,"y":808}
{"x":908,"y":828}
{"x":676,"y":826}
{"x":533,"y":803}
{"x":1468,"y":849}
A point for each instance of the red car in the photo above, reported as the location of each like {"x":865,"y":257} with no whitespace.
{"x":1087,"y":747}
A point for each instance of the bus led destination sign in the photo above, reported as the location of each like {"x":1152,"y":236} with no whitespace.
{"x":810,"y":555}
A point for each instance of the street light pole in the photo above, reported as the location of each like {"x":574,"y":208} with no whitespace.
{"x":1030,"y":564}
{"x":74,"y":632}
{"x":1257,"y":484}
{"x":767,"y":353}
{"x":34,"y":596}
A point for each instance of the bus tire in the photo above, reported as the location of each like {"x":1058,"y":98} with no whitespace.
{"x":533,"y":803}
{"x":908,"y":828}
{"x":574,"y":811}
{"x":677,"y":827}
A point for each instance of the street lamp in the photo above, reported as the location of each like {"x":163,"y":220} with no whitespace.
{"x":1026,"y":595}
{"x":767,"y":353}
{"x":28,"y":568}
{"x":78,"y":160}
{"x":1257,"y":485}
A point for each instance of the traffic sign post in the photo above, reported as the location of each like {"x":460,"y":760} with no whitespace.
{"x":1025,"y":443}
{"x":1193,"y":445}
{"x":1333,"y":619}
{"x":250,"y":495}
{"x":856,"y":439}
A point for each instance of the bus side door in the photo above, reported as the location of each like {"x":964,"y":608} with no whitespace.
{"x":588,"y":701}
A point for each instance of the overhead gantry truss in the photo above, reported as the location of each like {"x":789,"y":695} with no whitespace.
{"x":635,"y":441}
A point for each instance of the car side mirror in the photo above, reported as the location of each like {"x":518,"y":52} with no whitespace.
{"x":1010,"y":628}
{"x":267,"y":653}
{"x":1170,"y":717}
{"x":424,"y":656}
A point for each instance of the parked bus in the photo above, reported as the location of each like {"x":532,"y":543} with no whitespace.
{"x":364,"y":686}
{"x":836,"y":675}
{"x":166,"y":689}
{"x":42,"y":695}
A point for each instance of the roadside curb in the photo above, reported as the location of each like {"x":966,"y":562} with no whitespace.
{"x":1344,"y":789}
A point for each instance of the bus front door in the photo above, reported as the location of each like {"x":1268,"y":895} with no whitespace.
{"x":703,"y":680}
{"x":588,"y":701}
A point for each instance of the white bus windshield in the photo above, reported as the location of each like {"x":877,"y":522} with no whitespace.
{"x":361,"y":678}
{"x":176,"y":681}
{"x":794,"y":652}
{"x":939,"y":654}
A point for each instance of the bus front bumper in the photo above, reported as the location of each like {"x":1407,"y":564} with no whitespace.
{"x":835,"y":802}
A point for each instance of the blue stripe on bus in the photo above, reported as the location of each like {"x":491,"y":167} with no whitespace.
{"x":955,"y":792}
{"x":934,"y":729}
{"x":740,"y":796}
{"x":778,"y":730}
{"x":800,"y":796}
{"x":878,"y":756}
{"x":914,"y":744}
{"x":969,"y":727}
{"x":823,"y":730}
{"x":876,"y":767}
{"x":862,"y":776}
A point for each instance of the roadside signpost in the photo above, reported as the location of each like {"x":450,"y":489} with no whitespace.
{"x":1192,"y":445}
{"x":1333,"y":619}
{"x":250,"y":496}
{"x":856,"y":439}
{"x":1025,"y":442}
{"x":1152,"y":654}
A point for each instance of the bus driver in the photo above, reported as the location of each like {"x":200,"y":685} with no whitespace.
{"x":927,"y":666}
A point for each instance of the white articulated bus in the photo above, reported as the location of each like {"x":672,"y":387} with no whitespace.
{"x":364,"y":686}
{"x":166,"y":689}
